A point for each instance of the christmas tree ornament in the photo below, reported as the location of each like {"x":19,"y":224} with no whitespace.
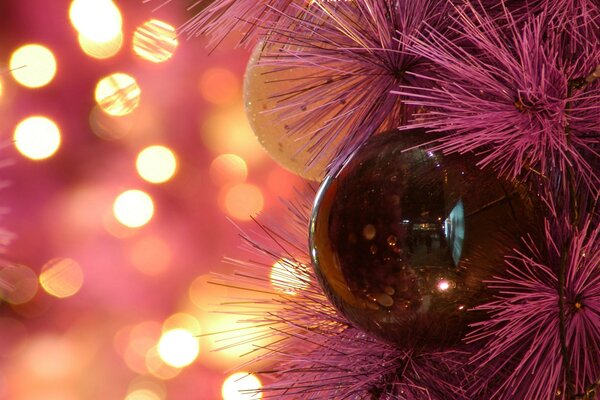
{"x":402,"y":239}
{"x":264,"y":88}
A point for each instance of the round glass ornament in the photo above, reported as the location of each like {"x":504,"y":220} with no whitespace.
{"x":273,"y":112}
{"x":402,"y":238}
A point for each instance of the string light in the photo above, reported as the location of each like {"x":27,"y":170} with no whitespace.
{"x":133,"y":208}
{"x":99,"y":21}
{"x":118,"y":94}
{"x":178,"y":347}
{"x":156,"y":164}
{"x":61,"y":277}
{"x":37,"y":137}
{"x":155,"y":41}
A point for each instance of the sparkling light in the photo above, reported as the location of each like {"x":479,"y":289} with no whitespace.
{"x":228,"y":169}
{"x":178,"y":347}
{"x":61,"y":277}
{"x":37,"y":137}
{"x":118,"y":94}
{"x":220,"y":86}
{"x":133,"y":208}
{"x":241,"y":386}
{"x":18,"y":284}
{"x":33,"y":65}
{"x":243,"y":201}
{"x":155,"y":41}
{"x":151,"y":255}
{"x":97,"y":20}
{"x":101,"y":50}
{"x":156,"y":164}
{"x":287,"y":277}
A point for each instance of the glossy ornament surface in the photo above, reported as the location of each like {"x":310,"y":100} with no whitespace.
{"x":266,"y":87}
{"x":402,"y":239}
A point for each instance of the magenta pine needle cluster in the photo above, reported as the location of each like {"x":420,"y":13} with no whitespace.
{"x":354,"y":55}
{"x":504,"y":90}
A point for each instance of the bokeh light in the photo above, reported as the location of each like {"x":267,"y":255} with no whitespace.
{"x":97,"y":20}
{"x":143,"y":394}
{"x":155,"y":41}
{"x":133,"y":208}
{"x":37,"y":137}
{"x":178,"y":347}
{"x":156,"y":164}
{"x":241,"y":386}
{"x":61,"y":277}
{"x":220,"y":86}
{"x":151,"y":255}
{"x":118,"y":94}
{"x":101,"y":50}
{"x":33,"y":65}
{"x":18,"y":284}
{"x":228,"y":169}
{"x":288,"y":277}
{"x":182,"y":321}
{"x":243,"y":201}
{"x":145,"y":383}
{"x":158,"y":367}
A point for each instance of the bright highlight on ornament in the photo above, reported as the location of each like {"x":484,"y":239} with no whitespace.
{"x":287,"y":277}
{"x":228,"y":169}
{"x":241,"y":386}
{"x":155,"y":41}
{"x":178,"y":347}
{"x":156,"y":164}
{"x":98,"y":20}
{"x":133,"y":208}
{"x":37,"y":137}
{"x":243,"y":201}
{"x":33,"y":65}
{"x":61,"y":277}
{"x":101,"y":50}
{"x":118,"y":94}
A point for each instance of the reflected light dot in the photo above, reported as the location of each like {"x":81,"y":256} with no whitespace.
{"x":151,"y":255}
{"x":155,"y":41}
{"x":101,"y":50}
{"x":156,"y":164}
{"x":33,"y":65}
{"x":118,"y":94}
{"x":287,"y":277}
{"x":37,"y":137}
{"x":133,"y":208}
{"x":143,"y":394}
{"x":18,"y":284}
{"x":243,"y":201}
{"x":241,"y":386}
{"x":220,"y":86}
{"x":61,"y":277}
{"x":228,"y":169}
{"x":97,"y":20}
{"x":178,"y":347}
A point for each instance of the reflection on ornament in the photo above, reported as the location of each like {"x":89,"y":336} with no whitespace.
{"x":402,"y":238}
{"x":265,"y":86}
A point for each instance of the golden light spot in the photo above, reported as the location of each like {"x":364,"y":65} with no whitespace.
{"x":61,"y":277}
{"x":228,"y":169}
{"x":156,"y":164}
{"x":182,"y":321}
{"x":155,"y":41}
{"x":243,"y":201}
{"x":178,"y":347}
{"x":228,"y":131}
{"x":97,"y":20}
{"x":118,"y":94}
{"x":158,"y":368}
{"x":220,"y":86}
{"x":151,"y":255}
{"x":37,"y":137}
{"x":288,"y":277}
{"x":33,"y":65}
{"x":133,"y":208}
{"x":143,"y":394}
{"x":18,"y":284}
{"x":241,"y":386}
{"x":101,"y":50}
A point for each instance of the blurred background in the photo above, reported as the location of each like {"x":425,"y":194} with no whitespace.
{"x":127,"y":163}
